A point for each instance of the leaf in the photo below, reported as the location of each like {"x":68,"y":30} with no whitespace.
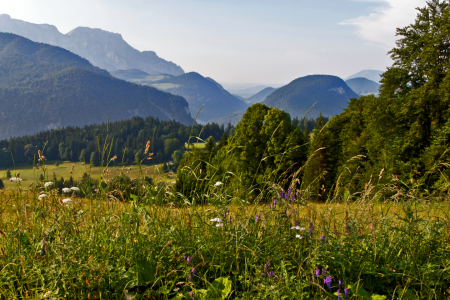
{"x":220,"y":288}
{"x":142,"y":273}
{"x":378,"y":297}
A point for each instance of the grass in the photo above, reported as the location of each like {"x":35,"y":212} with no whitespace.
{"x":196,"y":145}
{"x":98,"y":249}
{"x":30,"y":175}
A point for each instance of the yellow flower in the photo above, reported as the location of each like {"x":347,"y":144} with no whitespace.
{"x":135,"y":241}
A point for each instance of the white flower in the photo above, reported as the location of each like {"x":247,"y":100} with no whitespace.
{"x":298,"y":236}
{"x":42,"y":196}
{"x":298,"y":228}
{"x":218,"y":183}
{"x":46,"y":294}
{"x":219,"y":225}
{"x":66,"y":190}
{"x":47,"y":184}
{"x":207,"y":210}
{"x":176,"y":289}
{"x":216,"y":220}
{"x":75,"y":189}
{"x":66,"y":201}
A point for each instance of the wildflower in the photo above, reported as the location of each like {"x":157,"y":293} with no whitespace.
{"x":176,"y":289}
{"x":46,"y":294}
{"x":274,"y":203}
{"x":42,"y":196}
{"x":346,"y":294}
{"x":286,"y":197}
{"x":339,"y":294}
{"x":317,"y":272}
{"x":184,"y":256}
{"x":299,"y":236}
{"x":280,"y":194}
{"x":216,"y":220}
{"x":113,"y":158}
{"x":41,"y":157}
{"x":258,"y":218}
{"x":289,"y":191}
{"x":191,"y":293}
{"x":67,"y":201}
{"x":147,"y":146}
{"x":266,"y":267}
{"x":269,"y":206}
{"x":219,"y":225}
{"x":310,"y":229}
{"x":292,"y":197}
{"x":229,"y":220}
{"x":193,"y":271}
{"x":271,"y":274}
{"x":324,"y":271}
{"x":189,"y":259}
{"x":48,"y":184}
{"x":340,"y":284}
{"x":298,"y":228}
{"x":66,"y":190}
{"x":218,"y":183}
{"x":75,"y":189}
{"x":327,"y":281}
{"x":323,"y":239}
{"x":190,"y":276}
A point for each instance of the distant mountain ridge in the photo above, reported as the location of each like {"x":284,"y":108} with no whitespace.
{"x":260,"y":96}
{"x":103,"y":49}
{"x":330,"y":92}
{"x":196,"y":89}
{"x":363,"y":86}
{"x":44,"y":87}
{"x":373,"y":75}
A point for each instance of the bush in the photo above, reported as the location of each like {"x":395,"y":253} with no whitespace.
{"x":1,"y":184}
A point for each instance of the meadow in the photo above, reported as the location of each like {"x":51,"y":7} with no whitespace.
{"x":286,"y":249}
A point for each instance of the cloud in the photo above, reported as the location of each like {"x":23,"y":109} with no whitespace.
{"x":379,"y":27}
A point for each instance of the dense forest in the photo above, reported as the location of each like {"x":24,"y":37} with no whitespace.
{"x":128,"y":138}
{"x":399,"y":138}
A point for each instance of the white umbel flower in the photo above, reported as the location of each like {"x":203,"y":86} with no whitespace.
{"x":299,"y":236}
{"x":298,"y":228}
{"x":75,"y":189}
{"x":216,"y":220}
{"x":66,"y":190}
{"x":48,"y":184}
{"x":67,"y":201}
{"x":218,"y":183}
{"x":42,"y":196}
{"x":219,"y":225}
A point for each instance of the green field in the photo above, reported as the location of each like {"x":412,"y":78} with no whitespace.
{"x":29,"y":175}
{"x":196,"y":145}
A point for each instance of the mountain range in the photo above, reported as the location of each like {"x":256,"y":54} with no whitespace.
{"x":196,"y":89}
{"x":363,"y":86}
{"x":103,"y":49}
{"x":373,"y":75}
{"x":44,"y":87}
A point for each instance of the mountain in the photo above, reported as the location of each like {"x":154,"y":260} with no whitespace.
{"x":103,"y":49}
{"x":196,"y":89}
{"x":363,"y":86}
{"x":244,"y":90}
{"x":260,"y":97}
{"x":373,"y":75}
{"x":330,"y":92}
{"x":233,"y":118}
{"x":44,"y":87}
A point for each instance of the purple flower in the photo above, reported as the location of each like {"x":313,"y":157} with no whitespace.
{"x":290,"y":214}
{"x":328,"y":281}
{"x":258,"y":218}
{"x":184,"y":256}
{"x":339,"y":294}
{"x":346,"y":294}
{"x":310,"y":228}
{"x":270,"y":207}
{"x":191,"y":293}
{"x":297,"y":194}
{"x":280,"y":194}
{"x":190,"y":276}
{"x":317,"y":272}
{"x":271,"y":274}
{"x":324,"y":271}
{"x":229,"y":220}
{"x":323,"y":239}
{"x":286,"y":197}
{"x":193,"y":271}
{"x":189,"y":259}
{"x":274,"y":203}
{"x":297,"y":222}
{"x":340,"y":284}
{"x":266,"y":267}
{"x":292,"y":197}
{"x":289,"y":191}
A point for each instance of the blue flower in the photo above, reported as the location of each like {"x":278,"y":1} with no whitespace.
{"x":328,"y":281}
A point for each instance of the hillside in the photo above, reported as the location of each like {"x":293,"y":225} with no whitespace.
{"x":103,"y":49}
{"x":196,"y":89}
{"x":260,"y":96}
{"x":330,"y":92}
{"x":363,"y":86}
{"x":373,"y":75}
{"x":44,"y":87}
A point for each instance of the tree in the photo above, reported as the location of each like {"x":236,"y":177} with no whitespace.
{"x":1,"y":184}
{"x":95,"y":159}
{"x":8,"y":173}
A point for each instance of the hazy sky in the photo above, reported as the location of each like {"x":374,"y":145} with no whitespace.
{"x":248,"y":41}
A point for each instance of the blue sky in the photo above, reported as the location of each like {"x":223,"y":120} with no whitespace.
{"x":241,"y":41}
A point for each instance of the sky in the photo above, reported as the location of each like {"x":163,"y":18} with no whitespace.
{"x":269,"y":42}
